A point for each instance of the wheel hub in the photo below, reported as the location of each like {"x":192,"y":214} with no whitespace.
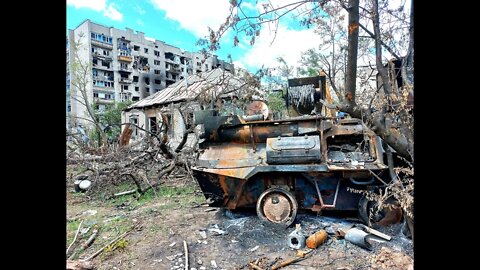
{"x":277,"y":205}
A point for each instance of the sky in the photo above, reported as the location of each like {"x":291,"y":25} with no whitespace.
{"x":182,"y":22}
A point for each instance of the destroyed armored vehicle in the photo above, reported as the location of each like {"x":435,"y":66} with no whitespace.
{"x":281,"y":166}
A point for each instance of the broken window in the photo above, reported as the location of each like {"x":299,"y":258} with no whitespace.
{"x":147,"y":90}
{"x":157,"y":81}
{"x":157,"y":53}
{"x":95,"y":94}
{"x":145,"y":50}
{"x":95,"y":62}
{"x":125,"y":87}
{"x":349,"y":148}
{"x":134,"y":121}
{"x":135,"y":78}
{"x":153,"y":124}
{"x":136,"y":48}
{"x":156,"y":62}
{"x":147,"y":80}
{"x":135,"y":98}
{"x":157,"y":71}
{"x":105,"y":64}
{"x":136,"y":88}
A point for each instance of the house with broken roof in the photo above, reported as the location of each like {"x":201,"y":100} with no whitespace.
{"x":173,"y":107}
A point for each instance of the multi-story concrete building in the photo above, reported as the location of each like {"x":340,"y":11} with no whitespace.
{"x":124,"y":65}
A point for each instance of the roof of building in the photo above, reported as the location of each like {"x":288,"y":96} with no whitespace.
{"x":204,"y":86}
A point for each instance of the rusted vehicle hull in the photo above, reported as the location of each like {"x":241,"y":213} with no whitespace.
{"x":279,"y":167}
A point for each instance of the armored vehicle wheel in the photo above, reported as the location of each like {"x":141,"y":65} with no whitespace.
{"x":278,"y":206}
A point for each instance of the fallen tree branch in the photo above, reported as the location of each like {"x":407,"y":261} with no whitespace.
{"x":76,"y":234}
{"x":109,"y":243}
{"x":186,"y":254}
{"x":125,"y":193}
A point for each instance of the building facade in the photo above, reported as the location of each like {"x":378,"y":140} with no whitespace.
{"x":123,"y":65}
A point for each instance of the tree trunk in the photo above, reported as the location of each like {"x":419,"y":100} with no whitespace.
{"x":351,"y":74}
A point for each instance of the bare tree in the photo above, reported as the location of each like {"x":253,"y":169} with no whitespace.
{"x":81,"y":73}
{"x":250,"y":25}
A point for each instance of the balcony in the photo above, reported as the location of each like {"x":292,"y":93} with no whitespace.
{"x":125,"y":58}
{"x":103,"y":101}
{"x":101,"y":88}
{"x":102,"y":57}
{"x":103,"y":78}
{"x":102,"y":44}
{"x":97,"y":66}
{"x":125,"y":69}
{"x":124,"y":80}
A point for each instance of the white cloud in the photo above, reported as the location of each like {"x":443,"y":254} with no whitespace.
{"x":195,"y":16}
{"x":112,"y":13}
{"x":139,"y":10}
{"x":140,"y":22}
{"x":288,"y":44}
{"x":239,"y":64}
{"x":247,"y":5}
{"x":97,"y":5}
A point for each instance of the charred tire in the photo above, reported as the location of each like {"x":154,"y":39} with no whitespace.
{"x":368,"y":211}
{"x":277,"y":206}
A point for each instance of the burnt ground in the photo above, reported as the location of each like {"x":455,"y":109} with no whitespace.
{"x":175,"y":214}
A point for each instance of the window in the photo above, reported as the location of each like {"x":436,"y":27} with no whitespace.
{"x":136,"y":48}
{"x":136,"y":89}
{"x":145,"y":50}
{"x":157,"y":81}
{"x":134,"y":121}
{"x":95,"y":72}
{"x":125,"y":87}
{"x":147,"y":89}
{"x":157,"y":53}
{"x":95,"y":62}
{"x":135,"y":78}
{"x":135,"y":98}
{"x":153,"y":124}
{"x":147,"y":80}
{"x":106,"y":53}
{"x":95,"y":95}
{"x":157,"y":71}
{"x":157,"y":90}
{"x":156,"y":62}
{"x":101,"y":37}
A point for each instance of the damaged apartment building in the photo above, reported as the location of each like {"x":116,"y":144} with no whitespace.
{"x":126,"y":65}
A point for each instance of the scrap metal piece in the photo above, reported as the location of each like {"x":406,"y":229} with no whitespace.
{"x":358,"y":237}
{"x":296,"y":239}
{"x":374,"y":232}
{"x":316,"y":239}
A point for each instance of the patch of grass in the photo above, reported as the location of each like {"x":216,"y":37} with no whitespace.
{"x":71,"y":230}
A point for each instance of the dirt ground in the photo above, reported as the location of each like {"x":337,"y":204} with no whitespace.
{"x":175,"y":213}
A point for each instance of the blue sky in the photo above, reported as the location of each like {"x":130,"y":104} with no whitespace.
{"x":182,"y":22}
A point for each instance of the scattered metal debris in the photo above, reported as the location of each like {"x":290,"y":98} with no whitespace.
{"x":358,"y":237}
{"x":296,"y":239}
{"x":254,"y":248}
{"x":316,"y":239}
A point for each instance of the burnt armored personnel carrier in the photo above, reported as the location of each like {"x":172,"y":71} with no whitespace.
{"x":281,"y":166}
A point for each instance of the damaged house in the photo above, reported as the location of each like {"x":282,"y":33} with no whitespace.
{"x":173,"y":107}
